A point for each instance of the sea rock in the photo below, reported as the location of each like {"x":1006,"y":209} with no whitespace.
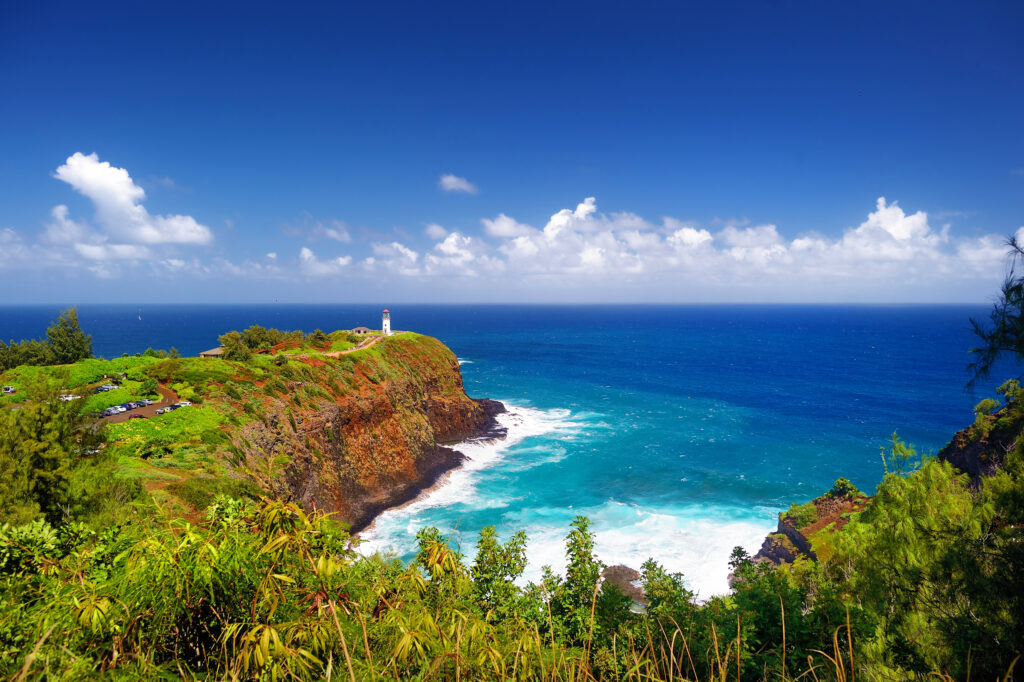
{"x":625,"y":578}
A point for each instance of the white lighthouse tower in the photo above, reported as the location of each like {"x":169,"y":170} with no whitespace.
{"x":385,"y":323}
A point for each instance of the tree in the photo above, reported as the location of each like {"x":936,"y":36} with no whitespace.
{"x":318,"y":338}
{"x":148,"y":387}
{"x":257,"y":337}
{"x":67,"y":340}
{"x":1004,"y":334}
{"x":495,"y":570}
{"x":235,"y":347}
{"x":38,"y":445}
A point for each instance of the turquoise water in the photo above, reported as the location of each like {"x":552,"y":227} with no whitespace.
{"x":680,"y":430}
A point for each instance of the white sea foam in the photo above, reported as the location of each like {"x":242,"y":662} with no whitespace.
{"x":392,"y":528}
{"x":464,"y":362}
{"x":695,"y":541}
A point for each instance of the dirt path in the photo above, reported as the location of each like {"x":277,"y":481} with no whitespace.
{"x":362,"y":346}
{"x":168,"y":397}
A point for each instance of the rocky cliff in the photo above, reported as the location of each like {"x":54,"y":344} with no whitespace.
{"x":363,"y":432}
{"x":981,"y":449}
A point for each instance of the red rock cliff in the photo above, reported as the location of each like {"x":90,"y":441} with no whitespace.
{"x":373,"y":435}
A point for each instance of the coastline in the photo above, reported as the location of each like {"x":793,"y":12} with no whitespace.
{"x":446,"y":460}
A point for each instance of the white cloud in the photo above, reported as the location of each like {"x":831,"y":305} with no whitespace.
{"x":394,"y":257}
{"x":891,"y":255}
{"x":63,"y":230}
{"x":272,"y":256}
{"x":689,"y":237}
{"x":435,"y":231}
{"x":750,"y":237}
{"x":310,"y":265}
{"x":113,"y":251}
{"x":118,"y":203}
{"x":503,"y":226}
{"x":453,"y":183}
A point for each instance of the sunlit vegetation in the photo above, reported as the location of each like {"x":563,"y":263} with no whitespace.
{"x":147,"y":550}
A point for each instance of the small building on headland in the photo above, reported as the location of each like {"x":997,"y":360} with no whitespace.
{"x":361,"y":331}
{"x":213,"y":352}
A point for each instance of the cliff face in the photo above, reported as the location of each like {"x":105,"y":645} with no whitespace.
{"x":372,"y":435}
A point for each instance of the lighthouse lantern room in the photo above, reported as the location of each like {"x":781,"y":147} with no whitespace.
{"x":386,"y":322}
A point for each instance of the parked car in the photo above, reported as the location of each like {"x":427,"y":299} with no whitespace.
{"x":146,"y":402}
{"x":161,"y":410}
{"x":68,"y":397}
{"x":138,"y":416}
{"x":9,"y":390}
{"x":184,"y":403}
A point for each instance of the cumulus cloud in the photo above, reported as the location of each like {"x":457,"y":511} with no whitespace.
{"x":892,"y":255}
{"x":118,"y":203}
{"x":310,"y":265}
{"x":453,"y":183}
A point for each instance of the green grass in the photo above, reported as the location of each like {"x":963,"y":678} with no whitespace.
{"x":801,"y":514}
{"x":164,"y":434}
{"x":200,"y":491}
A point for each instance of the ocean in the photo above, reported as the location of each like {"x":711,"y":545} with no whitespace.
{"x":681,"y":431}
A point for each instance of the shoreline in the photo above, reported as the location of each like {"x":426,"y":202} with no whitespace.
{"x":437,"y":476}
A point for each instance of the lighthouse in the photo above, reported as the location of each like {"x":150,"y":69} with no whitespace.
{"x":385,"y":322}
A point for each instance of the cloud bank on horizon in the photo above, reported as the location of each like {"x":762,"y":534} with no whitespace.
{"x":579,"y":254}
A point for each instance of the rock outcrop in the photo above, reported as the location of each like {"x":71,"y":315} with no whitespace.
{"x":980,"y":449}
{"x":789,"y":542}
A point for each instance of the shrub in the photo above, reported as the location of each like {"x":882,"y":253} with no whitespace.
{"x":801,"y":515}
{"x":843,"y":488}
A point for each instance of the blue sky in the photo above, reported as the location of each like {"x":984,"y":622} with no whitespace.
{"x":770,"y":151}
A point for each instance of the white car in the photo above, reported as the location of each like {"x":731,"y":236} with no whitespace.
{"x":68,"y":397}
{"x":9,"y":390}
{"x":184,"y":403}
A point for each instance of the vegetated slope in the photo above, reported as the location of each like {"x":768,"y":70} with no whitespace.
{"x":350,"y":434}
{"x":934,"y":561}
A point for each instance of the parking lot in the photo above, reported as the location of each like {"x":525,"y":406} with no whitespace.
{"x":167,"y":398}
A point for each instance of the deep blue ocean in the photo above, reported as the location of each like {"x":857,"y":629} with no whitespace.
{"x":680,"y":430}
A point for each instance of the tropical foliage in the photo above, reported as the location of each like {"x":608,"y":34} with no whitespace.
{"x":65,"y":343}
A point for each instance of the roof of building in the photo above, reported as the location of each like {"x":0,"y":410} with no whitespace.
{"x":360,"y":329}
{"x":386,"y":310}
{"x":219,"y":350}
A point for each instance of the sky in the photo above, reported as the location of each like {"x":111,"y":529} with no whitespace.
{"x":565,"y":152}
